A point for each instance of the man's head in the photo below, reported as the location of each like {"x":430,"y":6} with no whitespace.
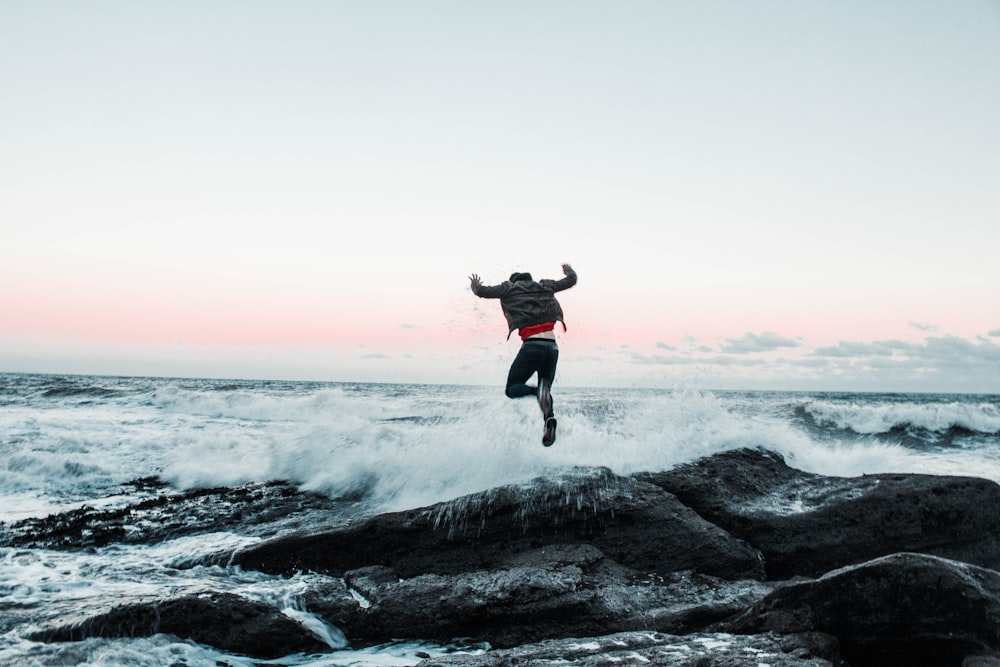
{"x":515,"y":277}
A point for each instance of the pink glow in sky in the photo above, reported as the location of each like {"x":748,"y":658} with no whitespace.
{"x":780,"y":196}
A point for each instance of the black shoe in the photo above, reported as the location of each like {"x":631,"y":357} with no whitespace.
{"x":550,"y":432}
{"x":545,"y":398}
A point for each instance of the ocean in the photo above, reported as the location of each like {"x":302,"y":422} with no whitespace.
{"x":68,"y":442}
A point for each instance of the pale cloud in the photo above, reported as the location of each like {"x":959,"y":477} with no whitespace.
{"x":935,"y":350}
{"x":768,"y":341}
{"x":694,"y":345}
{"x":929,"y":328}
{"x":375,"y":355}
{"x":664,"y":346}
{"x":405,"y":325}
{"x":735,"y":361}
{"x":995,"y":333}
{"x":678,"y":360}
{"x":955,"y":350}
{"x":948,"y":362}
{"x":936,"y":363}
{"x":843,"y":349}
{"x":659,"y":359}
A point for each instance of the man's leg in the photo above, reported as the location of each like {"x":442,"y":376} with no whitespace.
{"x":524,"y":364}
{"x":546,"y":375}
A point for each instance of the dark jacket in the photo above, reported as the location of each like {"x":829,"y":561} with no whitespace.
{"x":527,"y":302}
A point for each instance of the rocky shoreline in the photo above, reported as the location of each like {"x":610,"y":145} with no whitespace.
{"x":735,"y":559}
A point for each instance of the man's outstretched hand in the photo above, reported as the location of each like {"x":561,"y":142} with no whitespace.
{"x":474,"y":279}
{"x":566,"y":269}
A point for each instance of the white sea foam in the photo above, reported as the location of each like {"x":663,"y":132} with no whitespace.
{"x":407,"y":448}
{"x":161,"y":650}
{"x":884,"y":416}
{"x":404,"y":446}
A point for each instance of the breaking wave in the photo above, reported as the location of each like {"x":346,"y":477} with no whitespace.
{"x":914,"y":423}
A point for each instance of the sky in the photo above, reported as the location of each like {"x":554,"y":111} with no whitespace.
{"x":755,"y":195}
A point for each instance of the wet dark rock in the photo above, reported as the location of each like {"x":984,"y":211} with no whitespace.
{"x":656,"y":649}
{"x":261,"y":509}
{"x":635,"y":523}
{"x":808,"y":524}
{"x":903,"y":609}
{"x":222,"y":620}
{"x":981,"y":661}
{"x":556,"y":591}
{"x":681,"y":552}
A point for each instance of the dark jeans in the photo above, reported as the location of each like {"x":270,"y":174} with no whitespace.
{"x":535,"y":356}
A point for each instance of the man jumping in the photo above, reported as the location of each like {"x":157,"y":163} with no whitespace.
{"x":532,"y":309}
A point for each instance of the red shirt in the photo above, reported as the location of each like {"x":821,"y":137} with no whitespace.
{"x":535,"y":329}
